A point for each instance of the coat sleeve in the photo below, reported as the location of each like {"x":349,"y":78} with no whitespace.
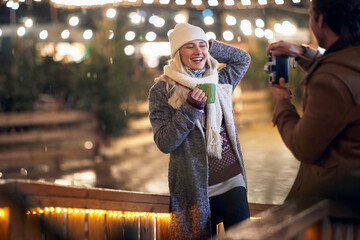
{"x":170,"y":126}
{"x":327,"y":102}
{"x":310,"y":55}
{"x":236,"y":62}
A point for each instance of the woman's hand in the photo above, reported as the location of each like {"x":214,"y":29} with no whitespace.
{"x":198,"y":95}
{"x":196,"y":98}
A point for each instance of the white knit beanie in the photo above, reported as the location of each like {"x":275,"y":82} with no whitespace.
{"x":183,"y":33}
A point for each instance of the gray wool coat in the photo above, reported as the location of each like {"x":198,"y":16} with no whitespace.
{"x":176,"y":132}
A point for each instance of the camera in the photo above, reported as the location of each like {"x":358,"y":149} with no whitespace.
{"x":277,"y":67}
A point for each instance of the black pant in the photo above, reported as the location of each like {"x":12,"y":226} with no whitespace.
{"x":230,"y":208}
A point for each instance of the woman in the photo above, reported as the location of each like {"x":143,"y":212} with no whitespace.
{"x":207,"y":180}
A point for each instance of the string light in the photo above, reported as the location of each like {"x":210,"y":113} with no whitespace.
{"x":15,"y":4}
{"x":111,"y":213}
{"x":2,"y":213}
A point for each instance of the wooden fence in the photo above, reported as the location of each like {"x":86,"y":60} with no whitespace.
{"x":30,"y":138}
{"x":30,"y":210}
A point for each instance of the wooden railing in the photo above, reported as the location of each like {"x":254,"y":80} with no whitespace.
{"x":47,"y":137}
{"x":310,"y":219}
{"x":31,"y":210}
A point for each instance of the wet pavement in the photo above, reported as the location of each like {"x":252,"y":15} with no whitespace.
{"x":270,"y":166}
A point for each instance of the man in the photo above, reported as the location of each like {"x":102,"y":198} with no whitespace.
{"x":326,"y":138}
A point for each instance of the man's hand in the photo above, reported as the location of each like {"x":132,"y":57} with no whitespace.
{"x":280,"y":91}
{"x":284,"y":48}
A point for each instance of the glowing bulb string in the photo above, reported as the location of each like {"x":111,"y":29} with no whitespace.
{"x":110,"y":213}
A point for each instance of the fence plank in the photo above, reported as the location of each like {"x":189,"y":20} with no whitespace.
{"x":115,"y":227}
{"x":39,"y":118}
{"x":147,"y":227}
{"x":162,"y":228}
{"x":32,"y":228}
{"x":47,"y":135}
{"x":96,"y":223}
{"x":131,"y":223}
{"x":75,"y":226}
{"x":54,"y":223}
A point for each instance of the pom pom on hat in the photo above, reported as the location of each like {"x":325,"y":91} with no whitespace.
{"x":183,"y":33}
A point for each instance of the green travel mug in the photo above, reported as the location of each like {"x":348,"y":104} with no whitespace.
{"x":209,"y":90}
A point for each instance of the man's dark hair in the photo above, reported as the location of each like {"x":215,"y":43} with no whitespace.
{"x":342,"y":16}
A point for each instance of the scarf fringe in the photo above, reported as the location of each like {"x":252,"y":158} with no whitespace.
{"x":214,"y":147}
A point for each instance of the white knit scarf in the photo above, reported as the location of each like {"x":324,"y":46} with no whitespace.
{"x":176,"y":72}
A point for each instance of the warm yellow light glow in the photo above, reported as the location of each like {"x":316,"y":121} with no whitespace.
{"x":135,"y":18}
{"x":230,"y":20}
{"x":150,"y":36}
{"x":259,"y":32}
{"x":159,"y":22}
{"x":89,"y":144}
{"x":180,"y":2}
{"x":88,"y":34}
{"x":29,"y":23}
{"x":58,"y":210}
{"x":43,"y":34}
{"x":269,"y":34}
{"x":211,"y":35}
{"x":74,"y":21}
{"x":180,"y":18}
{"x":111,"y":36}
{"x":245,"y":2}
{"x":285,"y":28}
{"x":129,"y":50}
{"x":260,"y":23}
{"x":21,"y":31}
{"x":110,"y":13}
{"x":130,"y":35}
{"x":65,"y":34}
{"x":245,"y":26}
{"x":13,"y":5}
{"x":228,"y":35}
{"x":213,"y":3}
{"x":84,"y":3}
{"x":209,"y":20}
{"x":196,"y":2}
